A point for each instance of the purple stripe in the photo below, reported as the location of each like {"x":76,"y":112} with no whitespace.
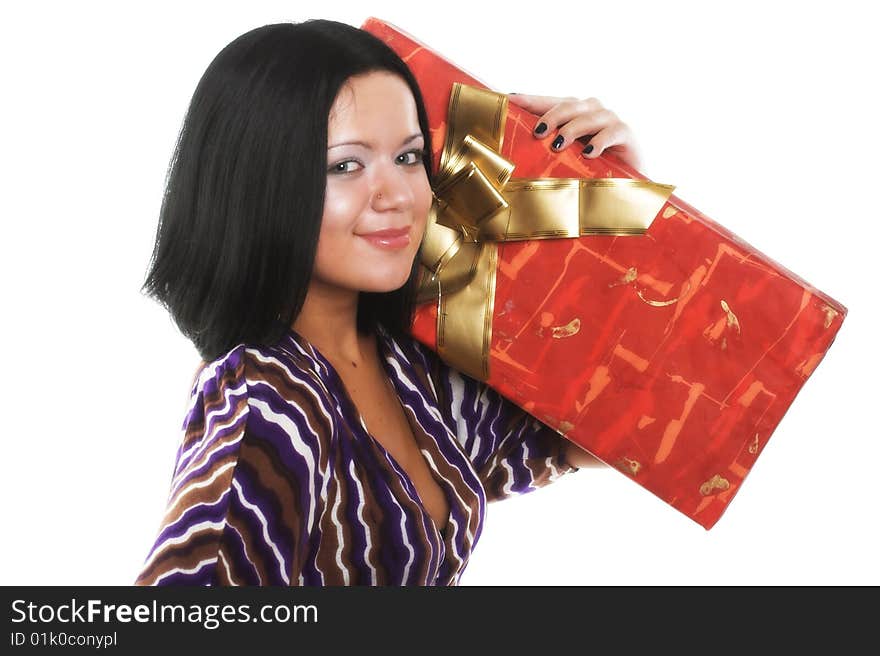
{"x":453,"y":455}
{"x":269,"y":504}
{"x":258,"y":548}
{"x":243,"y":572}
{"x":394,"y":552}
{"x":213,"y":512}
{"x":227,"y":374}
{"x":204,"y":576}
{"x":307,"y":486}
{"x":219,"y":416}
{"x":454,"y":458}
{"x":272,"y":434}
{"x":522,"y":476}
{"x":210,"y":462}
{"x":360,"y":570}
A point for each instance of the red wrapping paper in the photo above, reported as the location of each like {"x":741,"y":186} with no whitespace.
{"x":671,"y":356}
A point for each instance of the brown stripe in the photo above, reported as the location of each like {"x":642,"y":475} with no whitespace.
{"x":415,"y":514}
{"x":230,"y":378}
{"x":330,"y":541}
{"x":374,"y":518}
{"x":186,"y":555}
{"x":255,"y":555}
{"x":190,"y":496}
{"x":209,"y":453}
{"x":297,"y":394}
{"x":453,"y":478}
{"x":195,"y":429}
{"x":273,"y":478}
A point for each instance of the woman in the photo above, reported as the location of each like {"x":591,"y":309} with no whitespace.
{"x":323,"y":445}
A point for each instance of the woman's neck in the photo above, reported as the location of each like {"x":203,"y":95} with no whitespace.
{"x":329,"y":322}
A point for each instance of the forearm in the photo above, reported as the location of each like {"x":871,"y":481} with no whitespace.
{"x":580,"y":457}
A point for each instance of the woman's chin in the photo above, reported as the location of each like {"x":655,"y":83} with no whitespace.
{"x":390,"y":284}
{"x":386,"y":279}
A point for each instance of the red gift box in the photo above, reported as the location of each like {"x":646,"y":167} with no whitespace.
{"x":670,"y":355}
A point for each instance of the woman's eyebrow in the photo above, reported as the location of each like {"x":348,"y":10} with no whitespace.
{"x":411,"y":137}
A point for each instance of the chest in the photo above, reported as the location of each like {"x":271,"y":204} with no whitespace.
{"x":387,"y":422}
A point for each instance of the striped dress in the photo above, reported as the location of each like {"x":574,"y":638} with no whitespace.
{"x":278,"y":482}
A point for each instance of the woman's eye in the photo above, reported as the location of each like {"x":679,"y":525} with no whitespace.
{"x":340,"y":167}
{"x":419,"y":155}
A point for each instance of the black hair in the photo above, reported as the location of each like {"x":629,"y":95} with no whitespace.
{"x":244,"y":192}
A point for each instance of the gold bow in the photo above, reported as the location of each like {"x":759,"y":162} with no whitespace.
{"x":477,"y":204}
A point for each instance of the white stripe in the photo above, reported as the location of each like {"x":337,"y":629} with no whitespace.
{"x":554,"y":471}
{"x":180,"y":570}
{"x":222,"y":558}
{"x":340,"y":540}
{"x":180,"y":539}
{"x":435,"y":413}
{"x":406,"y":542}
{"x":195,"y":486}
{"x":299,"y":445}
{"x":506,"y":489}
{"x":360,"y":516}
{"x":463,"y":430}
{"x":245,"y":550}
{"x":195,"y":468}
{"x":265,"y":524}
{"x":296,"y":441}
{"x":325,"y":484}
{"x":298,"y":348}
{"x":525,"y":464}
{"x":313,"y":378}
{"x":209,"y":372}
{"x":301,"y":383}
{"x":454,"y":523}
{"x":210,"y":431}
{"x":420,"y":348}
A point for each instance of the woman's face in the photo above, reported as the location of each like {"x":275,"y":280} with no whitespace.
{"x":375,"y":185}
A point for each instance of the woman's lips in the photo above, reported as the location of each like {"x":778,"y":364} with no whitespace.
{"x":393,"y":239}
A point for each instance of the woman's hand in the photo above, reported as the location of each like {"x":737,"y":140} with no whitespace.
{"x":570,"y":118}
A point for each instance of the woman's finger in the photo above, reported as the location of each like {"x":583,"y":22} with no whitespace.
{"x":600,"y":127}
{"x":607,"y":137}
{"x":617,"y":139}
{"x":555,"y":112}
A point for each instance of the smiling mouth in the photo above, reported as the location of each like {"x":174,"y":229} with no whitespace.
{"x":388,"y":241}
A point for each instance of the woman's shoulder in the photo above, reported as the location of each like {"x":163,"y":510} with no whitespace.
{"x":250,"y":363}
{"x":264,"y":389}
{"x":229,"y":365}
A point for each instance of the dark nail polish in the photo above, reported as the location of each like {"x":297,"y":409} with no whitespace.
{"x":557,"y":142}
{"x":588,"y":149}
{"x":541,"y":129}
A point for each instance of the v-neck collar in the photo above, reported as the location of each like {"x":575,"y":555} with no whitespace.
{"x":386,"y":348}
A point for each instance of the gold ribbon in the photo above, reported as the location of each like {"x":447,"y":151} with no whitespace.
{"x":477,"y":204}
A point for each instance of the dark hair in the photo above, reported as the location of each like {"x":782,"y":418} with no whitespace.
{"x":244,"y":192}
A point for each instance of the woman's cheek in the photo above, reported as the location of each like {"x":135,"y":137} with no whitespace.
{"x":339,"y":203}
{"x":427,"y":198}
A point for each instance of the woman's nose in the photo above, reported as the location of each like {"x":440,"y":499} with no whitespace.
{"x":392,"y":188}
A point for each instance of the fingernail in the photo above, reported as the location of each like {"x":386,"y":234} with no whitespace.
{"x":587,"y":150}
{"x":541,"y":129}
{"x":557,"y":142}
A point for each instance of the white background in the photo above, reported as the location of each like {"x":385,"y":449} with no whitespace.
{"x":763,"y":114}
